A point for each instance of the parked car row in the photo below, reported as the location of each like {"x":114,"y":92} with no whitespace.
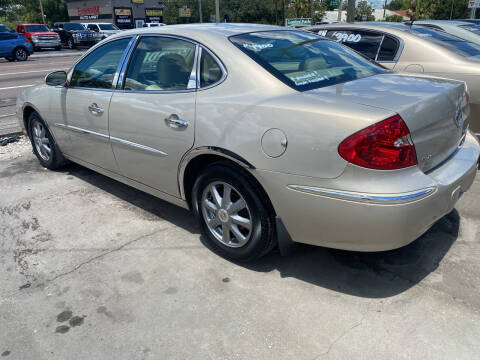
{"x":273,"y":135}
{"x":414,"y":49}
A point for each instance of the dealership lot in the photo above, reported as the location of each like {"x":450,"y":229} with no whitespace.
{"x":91,"y":268}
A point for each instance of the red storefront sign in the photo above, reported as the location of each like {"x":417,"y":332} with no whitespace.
{"x":95,"y":10}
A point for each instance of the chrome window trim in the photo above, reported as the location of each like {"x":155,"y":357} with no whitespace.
{"x":89,"y":51}
{"x":112,"y":138}
{"x":194,"y":74}
{"x":219,"y":63}
{"x":384,"y":199}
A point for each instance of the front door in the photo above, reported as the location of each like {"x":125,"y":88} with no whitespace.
{"x":152,"y":116}
{"x":87,"y":101}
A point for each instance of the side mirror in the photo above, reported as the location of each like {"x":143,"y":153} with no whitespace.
{"x":56,"y":78}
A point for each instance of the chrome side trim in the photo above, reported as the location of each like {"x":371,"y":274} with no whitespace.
{"x":112,"y":138}
{"x":82,"y":131}
{"x":190,"y":155}
{"x":138,"y":146}
{"x":385,"y":199}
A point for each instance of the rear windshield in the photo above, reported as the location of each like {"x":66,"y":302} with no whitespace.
{"x":73,"y":26}
{"x":303,"y":60}
{"x":36,"y":28}
{"x":450,"y":42}
{"x":108,"y":27}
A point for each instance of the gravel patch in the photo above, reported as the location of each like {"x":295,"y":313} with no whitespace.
{"x":15,"y":150}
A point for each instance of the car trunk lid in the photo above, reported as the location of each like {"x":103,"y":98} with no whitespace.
{"x":435,"y":110}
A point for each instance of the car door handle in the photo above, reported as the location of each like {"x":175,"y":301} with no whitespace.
{"x":95,"y":109}
{"x":175,"y":122}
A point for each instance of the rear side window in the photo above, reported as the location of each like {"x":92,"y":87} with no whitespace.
{"x":365,"y":42}
{"x":388,"y":50}
{"x":6,"y":36}
{"x":304,"y":60}
{"x":210,"y":71}
{"x":160,"y":64}
{"x":98,"y":68}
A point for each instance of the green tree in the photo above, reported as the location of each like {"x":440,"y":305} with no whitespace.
{"x":394,"y":18}
{"x":364,"y":12}
{"x":398,"y":5}
{"x":444,"y":8}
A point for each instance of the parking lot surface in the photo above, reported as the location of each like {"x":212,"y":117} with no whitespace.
{"x":93,"y":269}
{"x":17,"y":76}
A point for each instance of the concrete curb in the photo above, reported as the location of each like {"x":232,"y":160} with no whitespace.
{"x":58,"y":54}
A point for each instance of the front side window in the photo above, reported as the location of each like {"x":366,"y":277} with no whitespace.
{"x":303,"y":60}
{"x":74,"y":27}
{"x":98,"y":68}
{"x":36,"y":28}
{"x":365,"y":42}
{"x":160,"y":64}
{"x":108,"y":27}
{"x":93,"y":27}
{"x":210,"y":71}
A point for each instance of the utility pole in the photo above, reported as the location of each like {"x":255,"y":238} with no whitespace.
{"x":217,"y":11}
{"x":41,"y":11}
{"x":351,"y":11}
{"x":339,"y":18}
{"x":200,"y":10}
{"x":451,"y":11}
{"x":385,"y":10}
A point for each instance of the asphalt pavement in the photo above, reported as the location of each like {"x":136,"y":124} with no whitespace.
{"x":17,"y":76}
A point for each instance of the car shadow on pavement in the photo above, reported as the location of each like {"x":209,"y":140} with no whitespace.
{"x":369,"y":275}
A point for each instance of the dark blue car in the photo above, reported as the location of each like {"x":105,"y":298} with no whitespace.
{"x":14,"y":46}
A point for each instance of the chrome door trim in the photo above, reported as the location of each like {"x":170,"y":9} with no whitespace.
{"x":82,"y":131}
{"x":138,"y":146}
{"x":194,"y":74}
{"x":204,"y":150}
{"x":125,"y":63}
{"x":385,"y":199}
{"x":112,"y":138}
{"x":122,"y":60}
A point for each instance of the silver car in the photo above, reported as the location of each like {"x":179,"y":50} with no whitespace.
{"x":414,"y":49}
{"x":463,"y":30}
{"x":268,"y":135}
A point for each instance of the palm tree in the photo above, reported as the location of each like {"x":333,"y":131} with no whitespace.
{"x":300,"y":7}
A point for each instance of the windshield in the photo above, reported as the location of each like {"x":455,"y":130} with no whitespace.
{"x":303,"y":60}
{"x":36,"y":28}
{"x":73,"y":26}
{"x":472,"y":28}
{"x":450,"y":42}
{"x":108,"y":27}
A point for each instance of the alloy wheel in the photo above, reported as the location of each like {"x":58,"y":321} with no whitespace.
{"x":226,"y":214}
{"x":41,"y":141}
{"x":21,"y":54}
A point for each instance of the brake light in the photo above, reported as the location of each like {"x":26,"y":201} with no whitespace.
{"x":385,"y":145}
{"x":467,"y":96}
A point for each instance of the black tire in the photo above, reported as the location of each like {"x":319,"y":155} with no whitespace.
{"x":262,"y":235}
{"x":20,"y":54}
{"x":56,"y":159}
{"x":70,"y":43}
{"x":10,"y":59}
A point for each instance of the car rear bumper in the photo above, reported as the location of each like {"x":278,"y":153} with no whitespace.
{"x":394,"y":210}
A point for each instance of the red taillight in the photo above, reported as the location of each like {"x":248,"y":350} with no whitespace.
{"x":467,"y":97}
{"x":382,"y":146}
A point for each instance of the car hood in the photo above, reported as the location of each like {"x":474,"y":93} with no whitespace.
{"x":434,"y":109}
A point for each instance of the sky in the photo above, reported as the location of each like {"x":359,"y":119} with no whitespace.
{"x":377,"y":4}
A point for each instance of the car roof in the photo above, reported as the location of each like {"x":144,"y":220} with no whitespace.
{"x":206,"y":30}
{"x":443,"y":22}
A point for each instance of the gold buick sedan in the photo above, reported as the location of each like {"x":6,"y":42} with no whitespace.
{"x":414,"y":49}
{"x":269,"y":135}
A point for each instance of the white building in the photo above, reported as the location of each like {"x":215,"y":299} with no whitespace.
{"x":378,"y":13}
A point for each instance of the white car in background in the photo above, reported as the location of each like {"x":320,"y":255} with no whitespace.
{"x":153,"y":24}
{"x":103,"y":30}
{"x":462,"y":29}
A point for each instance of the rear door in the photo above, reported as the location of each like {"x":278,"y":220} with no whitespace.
{"x":86,"y":104}
{"x":152,"y":115}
